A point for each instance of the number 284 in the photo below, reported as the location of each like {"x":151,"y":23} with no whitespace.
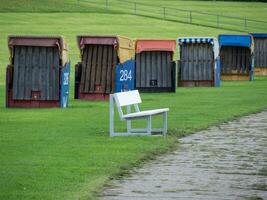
{"x":125,"y":75}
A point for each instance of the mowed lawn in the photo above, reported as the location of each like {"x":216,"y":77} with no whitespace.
{"x":66,"y":153}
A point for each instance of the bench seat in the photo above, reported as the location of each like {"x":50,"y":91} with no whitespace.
{"x":145,"y":113}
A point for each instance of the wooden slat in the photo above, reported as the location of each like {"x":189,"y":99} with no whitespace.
{"x":99,"y":64}
{"x":28,"y":74}
{"x":138,"y":70}
{"x":168,"y":68}
{"x":248,"y":60}
{"x":84,"y":67}
{"x":22,"y":65}
{"x":210,"y":62}
{"x":240,"y":57}
{"x":91,"y":74}
{"x":154,"y":67}
{"x":56,"y":74}
{"x":244,"y":57}
{"x":147,"y":68}
{"x":195,"y":62}
{"x":109,"y":69}
{"x":43,"y":71}
{"x":183,"y":61}
{"x":206,"y":63}
{"x":113,"y":70}
{"x":164,"y":68}
{"x":16,"y":69}
{"x":265,"y":53}
{"x":89,"y":68}
{"x":201,"y":62}
{"x":86,"y":70}
{"x":143,"y":69}
{"x":190,"y":63}
{"x":260,"y":49}
{"x":222,"y":60}
{"x":35,"y":69}
{"x":186,"y":62}
{"x":104,"y":67}
{"x":159,"y":69}
{"x":49,"y":89}
{"x":205,"y":58}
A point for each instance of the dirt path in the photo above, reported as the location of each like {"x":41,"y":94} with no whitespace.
{"x":224,"y":162}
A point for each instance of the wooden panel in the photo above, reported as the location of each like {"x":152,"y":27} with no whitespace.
{"x":153,"y":69}
{"x":235,"y":60}
{"x":33,"y":79}
{"x":233,"y":77}
{"x":98,"y":69}
{"x":260,"y":52}
{"x":196,"y":62}
{"x":260,"y":71}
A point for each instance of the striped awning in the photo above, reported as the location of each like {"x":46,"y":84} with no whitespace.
{"x":211,"y":40}
{"x":195,"y":40}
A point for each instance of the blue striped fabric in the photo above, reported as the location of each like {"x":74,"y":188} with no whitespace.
{"x":195,"y":40}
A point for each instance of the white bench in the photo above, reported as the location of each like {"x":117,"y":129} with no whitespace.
{"x":128,"y":99}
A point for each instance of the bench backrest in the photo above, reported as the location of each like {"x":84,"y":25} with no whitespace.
{"x":127,"y":98}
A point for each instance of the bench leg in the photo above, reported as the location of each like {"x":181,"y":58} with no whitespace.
{"x":164,"y":123}
{"x":129,"y":126}
{"x":111,"y":115}
{"x":129,"y":122}
{"x":149,"y":125}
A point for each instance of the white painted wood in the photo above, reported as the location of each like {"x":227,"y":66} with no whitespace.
{"x":164,"y":123}
{"x":111,"y":115}
{"x":127,"y":98}
{"x":145,"y":113}
{"x":129,"y":122}
{"x":133,"y":98}
{"x":149,"y":124}
{"x":131,"y":134}
{"x":153,"y":130}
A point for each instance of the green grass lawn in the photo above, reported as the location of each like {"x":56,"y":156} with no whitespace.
{"x":66,"y":153}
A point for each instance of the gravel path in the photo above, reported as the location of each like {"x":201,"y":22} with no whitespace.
{"x":224,"y":162}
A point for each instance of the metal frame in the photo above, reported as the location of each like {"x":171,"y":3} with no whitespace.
{"x":134,"y":131}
